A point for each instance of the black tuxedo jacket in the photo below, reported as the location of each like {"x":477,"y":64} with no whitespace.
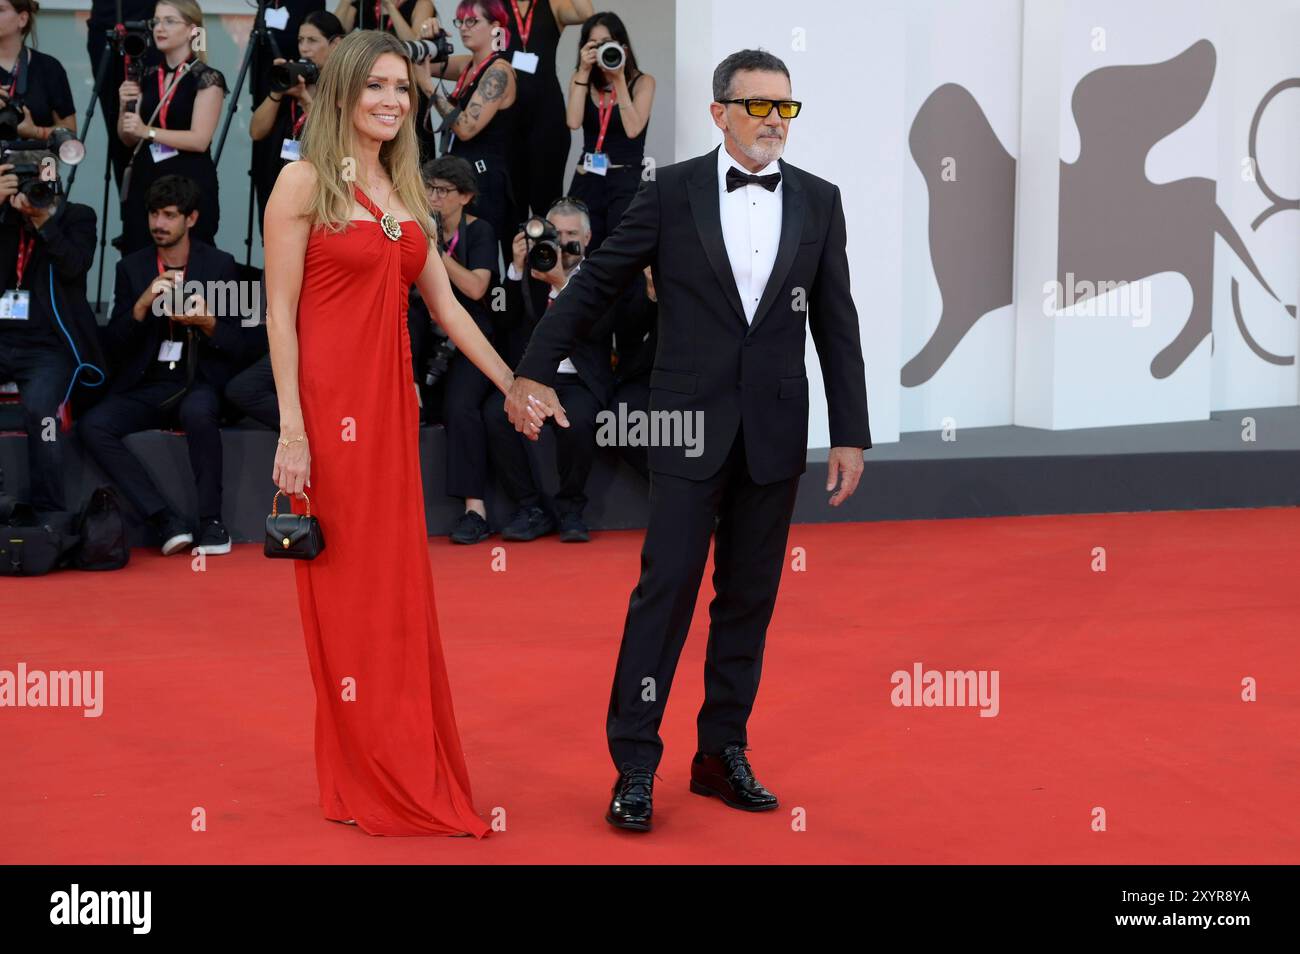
{"x":132,"y":344}
{"x":708,"y":358}
{"x":591,"y":350}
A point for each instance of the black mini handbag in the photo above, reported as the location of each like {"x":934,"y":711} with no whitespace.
{"x":292,"y":536}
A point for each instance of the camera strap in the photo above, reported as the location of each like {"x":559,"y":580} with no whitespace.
{"x":18,"y":84}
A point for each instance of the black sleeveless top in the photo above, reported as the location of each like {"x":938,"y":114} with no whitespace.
{"x":543,"y":39}
{"x":493,"y":140}
{"x":621,"y":150}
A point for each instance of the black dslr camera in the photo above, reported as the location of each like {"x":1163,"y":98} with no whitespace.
{"x":132,"y":40}
{"x":35,"y":163}
{"x":285,"y":76}
{"x":545,"y":245}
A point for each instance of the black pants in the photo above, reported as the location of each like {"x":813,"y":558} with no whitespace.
{"x":42,"y":372}
{"x":753,"y":524}
{"x":607,"y":198}
{"x":253,"y":392}
{"x":465,"y":390}
{"x":575,"y":447}
{"x":116,"y":416}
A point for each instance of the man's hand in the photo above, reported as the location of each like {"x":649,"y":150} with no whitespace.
{"x":196,"y":314}
{"x":8,"y":181}
{"x":518,"y":250}
{"x":556,"y":277}
{"x":529,"y":403}
{"x":845,"y":467}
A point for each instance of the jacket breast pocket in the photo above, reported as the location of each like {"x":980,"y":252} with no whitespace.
{"x":793,"y":387}
{"x":683,"y":382}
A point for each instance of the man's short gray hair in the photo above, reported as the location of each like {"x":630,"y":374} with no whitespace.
{"x":567,"y":205}
{"x":743,"y":60}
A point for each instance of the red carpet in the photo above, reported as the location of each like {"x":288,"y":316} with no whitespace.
{"x":1119,"y":689}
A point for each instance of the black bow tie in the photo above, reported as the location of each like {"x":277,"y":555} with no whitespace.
{"x":737,"y":179}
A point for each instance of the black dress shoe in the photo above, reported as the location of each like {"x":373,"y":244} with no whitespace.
{"x":573,"y":529}
{"x":729,"y":777}
{"x":632,"y":804}
{"x":528,"y":523}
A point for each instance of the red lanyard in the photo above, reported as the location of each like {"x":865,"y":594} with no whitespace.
{"x":451,"y":246}
{"x":26,"y":245}
{"x":469,"y":79}
{"x":605,"y":115}
{"x":295,"y":119}
{"x":525,"y":26}
{"x":165,"y":99}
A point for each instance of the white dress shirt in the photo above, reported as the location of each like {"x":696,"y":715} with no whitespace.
{"x":751,"y":230}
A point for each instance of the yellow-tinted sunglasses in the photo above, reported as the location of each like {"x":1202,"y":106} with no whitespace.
{"x":785,"y":108}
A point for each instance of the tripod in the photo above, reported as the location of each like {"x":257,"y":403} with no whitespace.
{"x":261,"y":37}
{"x":115,"y":38}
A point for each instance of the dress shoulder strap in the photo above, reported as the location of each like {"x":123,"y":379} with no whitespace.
{"x":364,"y":199}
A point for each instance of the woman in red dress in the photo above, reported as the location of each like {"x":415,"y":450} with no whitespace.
{"x":348,"y":231}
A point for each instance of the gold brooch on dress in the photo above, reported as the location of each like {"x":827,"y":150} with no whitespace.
{"x":392,"y":228}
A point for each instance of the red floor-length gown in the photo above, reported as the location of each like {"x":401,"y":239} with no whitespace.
{"x":387,"y":750}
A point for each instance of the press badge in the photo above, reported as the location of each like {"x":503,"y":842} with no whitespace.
{"x":597,"y":162}
{"x":525,"y":61}
{"x":170,"y":351}
{"x":161,"y":152}
{"x":277,"y":18}
{"x":14,"y":304}
{"x":291,"y":149}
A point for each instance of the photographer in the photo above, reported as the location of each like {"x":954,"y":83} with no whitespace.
{"x":172,"y":353}
{"x":169,"y":119}
{"x":479,"y":116}
{"x":47,"y":330}
{"x":103,"y":20}
{"x":279,"y":119}
{"x":469,"y":254}
{"x":612,"y":108}
{"x":583,"y":384}
{"x":33,"y":84}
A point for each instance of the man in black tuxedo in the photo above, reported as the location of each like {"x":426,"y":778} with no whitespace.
{"x":746,"y":251}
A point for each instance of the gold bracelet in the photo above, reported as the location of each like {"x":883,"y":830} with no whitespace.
{"x":300,"y":437}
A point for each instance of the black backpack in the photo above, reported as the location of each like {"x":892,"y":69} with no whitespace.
{"x":103,"y":533}
{"x":28,"y":548}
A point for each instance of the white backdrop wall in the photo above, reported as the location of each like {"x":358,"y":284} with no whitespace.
{"x":1001,"y":80}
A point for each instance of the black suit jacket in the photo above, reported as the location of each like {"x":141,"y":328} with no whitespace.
{"x":134,"y":344}
{"x":65,"y":246}
{"x":591,"y":350}
{"x":708,"y":359}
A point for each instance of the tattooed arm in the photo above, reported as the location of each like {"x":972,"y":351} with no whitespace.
{"x":496,"y":90}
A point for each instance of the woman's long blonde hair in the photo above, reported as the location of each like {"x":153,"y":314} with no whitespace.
{"x":191,"y":14}
{"x":329,"y":139}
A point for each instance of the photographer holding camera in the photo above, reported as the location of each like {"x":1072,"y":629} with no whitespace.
{"x":552,"y":249}
{"x":173,"y":350}
{"x":48,"y":333}
{"x":468,"y":248}
{"x":609,"y":100}
{"x":280,"y":117}
{"x":34,"y":93}
{"x":169,"y":118}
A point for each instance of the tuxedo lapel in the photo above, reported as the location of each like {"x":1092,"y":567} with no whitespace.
{"x":792,"y":214}
{"x":702,"y":191}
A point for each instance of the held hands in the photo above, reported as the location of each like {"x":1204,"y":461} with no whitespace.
{"x":844,"y":465}
{"x":529,"y":403}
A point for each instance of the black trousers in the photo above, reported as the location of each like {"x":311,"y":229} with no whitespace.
{"x":42,"y":372}
{"x":753,"y":524}
{"x":253,"y":392}
{"x":466,"y":390}
{"x":607,"y":198}
{"x":575,"y":447}
{"x":198,"y":414}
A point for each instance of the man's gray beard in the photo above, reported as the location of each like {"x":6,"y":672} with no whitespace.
{"x":764,"y":150}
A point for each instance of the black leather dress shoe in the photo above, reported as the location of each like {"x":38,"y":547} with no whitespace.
{"x":632,"y":806}
{"x":728,"y":776}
